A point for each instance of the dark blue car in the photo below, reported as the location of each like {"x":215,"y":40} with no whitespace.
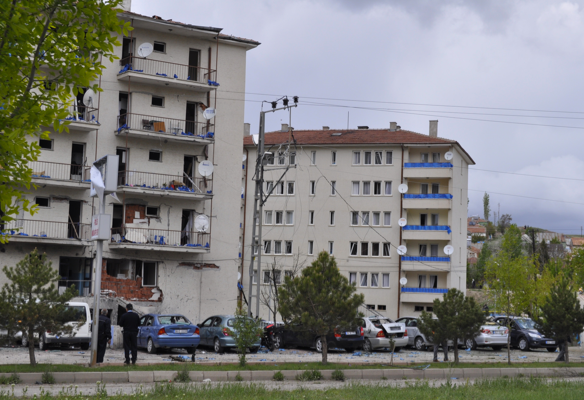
{"x":168,"y":331}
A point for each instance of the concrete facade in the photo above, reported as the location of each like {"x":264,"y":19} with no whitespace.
{"x":156,"y":124}
{"x":359,"y":218}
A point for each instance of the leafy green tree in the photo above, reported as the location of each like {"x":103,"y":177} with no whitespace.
{"x":562,"y":315}
{"x":482,"y":261}
{"x":504,"y":223}
{"x":320,"y":301}
{"x":544,"y":256}
{"x":486,"y":206}
{"x":491,"y":229}
{"x":512,"y":244}
{"x":246,"y":332}
{"x":31,"y":301}
{"x":49,"y":49}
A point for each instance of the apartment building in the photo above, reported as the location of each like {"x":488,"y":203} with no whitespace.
{"x":342,"y":194}
{"x":175,"y":233}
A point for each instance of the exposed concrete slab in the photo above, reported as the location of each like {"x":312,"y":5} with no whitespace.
{"x":164,"y":376}
{"x":434,"y":374}
{"x":217,"y":376}
{"x":114,"y":377}
{"x":372,"y":374}
{"x":140,"y":376}
{"x":87,"y":377}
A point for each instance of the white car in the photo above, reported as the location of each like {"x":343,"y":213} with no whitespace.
{"x":492,"y":335}
{"x":379,"y":330}
{"x":81,"y":334}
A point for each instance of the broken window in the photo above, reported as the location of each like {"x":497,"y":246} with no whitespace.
{"x":422,"y":250}
{"x":311,"y":218}
{"x":375,"y":280}
{"x":288,"y":249}
{"x":365,"y":218}
{"x":310,"y":247}
{"x":267,"y":246}
{"x":279,"y":217}
{"x":353,"y":248}
{"x":364,"y":279}
{"x":386,"y":249}
{"x":377,"y":188}
{"x":148,"y":271}
{"x":378,"y":157}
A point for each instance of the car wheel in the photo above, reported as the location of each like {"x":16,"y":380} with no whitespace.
{"x":523,"y":344}
{"x":191,"y":350}
{"x":84,"y":346}
{"x":253,"y":350}
{"x":419,"y":343}
{"x":42,"y":344}
{"x":217,"y":346}
{"x":497,"y":348}
{"x":150,"y":347}
{"x":24,"y":340}
{"x":367,"y":346}
{"x":318,"y":345}
{"x":278,"y":341}
{"x":471,"y":344}
{"x":551,"y":349}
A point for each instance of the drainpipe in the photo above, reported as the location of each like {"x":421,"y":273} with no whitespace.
{"x":401,"y":210}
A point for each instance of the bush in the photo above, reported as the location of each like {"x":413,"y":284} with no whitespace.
{"x":48,"y":378}
{"x":183,"y":375}
{"x":9,"y":380}
{"x":309,"y":375}
{"x":278,"y":376}
{"x":338,"y":375}
{"x":238,"y":377}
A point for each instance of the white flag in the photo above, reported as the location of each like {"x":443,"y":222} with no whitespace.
{"x":97,"y":182}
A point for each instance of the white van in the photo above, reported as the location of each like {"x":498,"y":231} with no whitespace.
{"x":81,"y":335}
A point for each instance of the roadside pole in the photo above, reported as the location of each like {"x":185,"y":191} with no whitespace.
{"x":97,"y":289}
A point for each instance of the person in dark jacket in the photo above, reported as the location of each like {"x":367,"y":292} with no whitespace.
{"x":104,"y":335}
{"x":130,"y":322}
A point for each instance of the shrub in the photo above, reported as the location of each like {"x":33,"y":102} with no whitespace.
{"x":309,"y":375}
{"x":48,"y":378}
{"x":183,"y":375}
{"x":238,"y":377}
{"x":338,"y":375}
{"x":9,"y":380}
{"x":278,"y":376}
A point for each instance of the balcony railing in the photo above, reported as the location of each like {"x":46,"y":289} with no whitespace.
{"x":160,"y":237}
{"x":47,"y":229}
{"x":165,"y":126}
{"x":82,"y":287}
{"x":182,"y":72}
{"x":80,"y":113}
{"x":426,"y":259}
{"x":428,"y":165}
{"x":428,"y":196}
{"x":179,"y":183}
{"x":59,"y":171}
{"x":119,"y":288}
{"x":427,"y":228}
{"x":423,"y":290}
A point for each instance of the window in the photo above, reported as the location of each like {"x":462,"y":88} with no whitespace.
{"x":354,"y":218}
{"x":423,"y":219}
{"x":375,"y":280}
{"x":42,"y":201}
{"x":290,"y":188}
{"x":267,"y":279}
{"x":385,"y":280}
{"x":157,"y":101}
{"x":389,"y":157}
{"x":367,"y":158}
{"x":277,"y":247}
{"x":377,"y":188}
{"x":355,"y":188}
{"x":352,"y":277}
{"x":386,"y":249}
{"x":434,"y":281}
{"x":365,"y":218}
{"x":46,"y":144}
{"x":364,"y":280}
{"x":279,"y":217}
{"x":310,"y":247}
{"x":267,"y":217}
{"x":375,"y":249}
{"x":148,"y":271}
{"x":366,"y":188}
{"x":378,"y":157}
{"x":160,"y":47}
{"x":280,"y":188}
{"x":419,"y":308}
{"x":422,"y":252}
{"x":312,"y":188}
{"x":388,"y":188}
{"x":155,"y":155}
{"x":288,"y":249}
{"x":311,"y":218}
{"x":376,"y":218}
{"x":255,"y":276}
{"x":434,"y":250}
{"x":313,"y":157}
{"x":333,"y":158}
{"x":267,"y":246}
{"x":256,"y":247}
{"x":429,"y":308}
{"x":423,"y":188}
{"x":435,"y":188}
{"x":331,"y":246}
{"x":434,"y":219}
{"x":424,"y":157}
{"x":332,"y":218}
{"x":387,"y":218}
{"x":152,"y":211}
{"x":269,"y":157}
{"x":289,"y":217}
{"x":364,"y":248}
{"x":353,"y":248}
{"x":333,"y":188}
{"x":281,"y":158}
{"x":436,"y":157}
{"x":381,"y":307}
{"x":269,"y":186}
{"x":356,"y":157}
{"x":292,"y":158}
{"x":421,"y":281}
{"x":370,"y":306}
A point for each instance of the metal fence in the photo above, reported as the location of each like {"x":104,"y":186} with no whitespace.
{"x":183,"y":72}
{"x":81,"y":113}
{"x":165,"y":126}
{"x":152,"y":180}
{"x":48,"y":229}
{"x":59,"y":171}
{"x":160,"y":237}
{"x":82,"y":287}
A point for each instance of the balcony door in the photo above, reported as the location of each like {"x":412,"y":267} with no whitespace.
{"x":188,"y":235}
{"x":127,"y":50}
{"x":77,"y":161}
{"x":122,"y":153}
{"x":75,"y":271}
{"x":74,"y":223}
{"x":190,"y":162}
{"x":123,"y":107}
{"x":194,"y":59}
{"x":191,"y":118}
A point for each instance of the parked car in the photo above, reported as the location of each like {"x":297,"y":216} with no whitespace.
{"x":81,"y":333}
{"x":524,"y":334}
{"x":416,"y":338}
{"x":167,"y":331}
{"x":217,"y":332}
{"x":379,"y":330}
{"x":349,"y":339}
{"x":492,"y":334}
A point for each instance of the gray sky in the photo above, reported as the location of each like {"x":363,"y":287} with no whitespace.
{"x":474,"y":65}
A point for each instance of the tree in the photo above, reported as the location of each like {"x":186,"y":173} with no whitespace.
{"x":482,"y":261}
{"x":512,"y":244}
{"x":544,"y":256}
{"x":491,"y":229}
{"x":504,"y":223}
{"x":486,"y":206}
{"x":245,"y":332}
{"x":562,"y":315}
{"x":49,"y":50}
{"x":320,"y":301}
{"x":31,"y":301}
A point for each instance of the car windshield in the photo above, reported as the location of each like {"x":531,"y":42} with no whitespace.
{"x":77,"y":313}
{"x":173,"y":319}
{"x":525,"y":323}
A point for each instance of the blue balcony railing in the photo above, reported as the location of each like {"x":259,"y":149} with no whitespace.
{"x":427,"y":228}
{"x":430,"y":259}
{"x":428,"y":165}
{"x":423,"y":290}
{"x":428,"y":196}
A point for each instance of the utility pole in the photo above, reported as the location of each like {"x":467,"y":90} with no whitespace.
{"x":258,"y":207}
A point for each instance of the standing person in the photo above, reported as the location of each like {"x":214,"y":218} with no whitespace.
{"x":130,"y":322}
{"x":104,"y":335}
{"x":444,"y":349}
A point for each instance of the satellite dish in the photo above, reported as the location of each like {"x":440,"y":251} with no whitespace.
{"x":403,"y":281}
{"x":402,"y":222}
{"x":89,"y":98}
{"x":244,"y":158}
{"x":209,"y":113}
{"x":401,"y":250}
{"x":145,"y":49}
{"x":205,"y":168}
{"x":202,"y":223}
{"x":255,"y":138}
{"x":403,"y":188}
{"x":448,"y":249}
{"x":448,"y":156}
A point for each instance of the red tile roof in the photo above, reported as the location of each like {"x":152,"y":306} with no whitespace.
{"x":576,"y":241}
{"x":476,"y":229}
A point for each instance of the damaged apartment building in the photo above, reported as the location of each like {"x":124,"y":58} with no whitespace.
{"x":175,"y":235}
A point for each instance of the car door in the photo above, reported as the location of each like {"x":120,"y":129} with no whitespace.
{"x":204,"y":331}
{"x":143,"y":331}
{"x":413,"y":327}
{"x":216,"y":330}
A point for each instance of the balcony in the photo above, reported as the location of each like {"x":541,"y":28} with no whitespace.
{"x":427,"y":201}
{"x":129,"y":289}
{"x":82,"y":118}
{"x":176,"y":130}
{"x":59,"y":175}
{"x":425,"y":263}
{"x":421,"y":295}
{"x":164,"y":185}
{"x":163,"y":73}
{"x":48,"y":232}
{"x":427,"y":170}
{"x":157,"y":239}
{"x":423,"y":232}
